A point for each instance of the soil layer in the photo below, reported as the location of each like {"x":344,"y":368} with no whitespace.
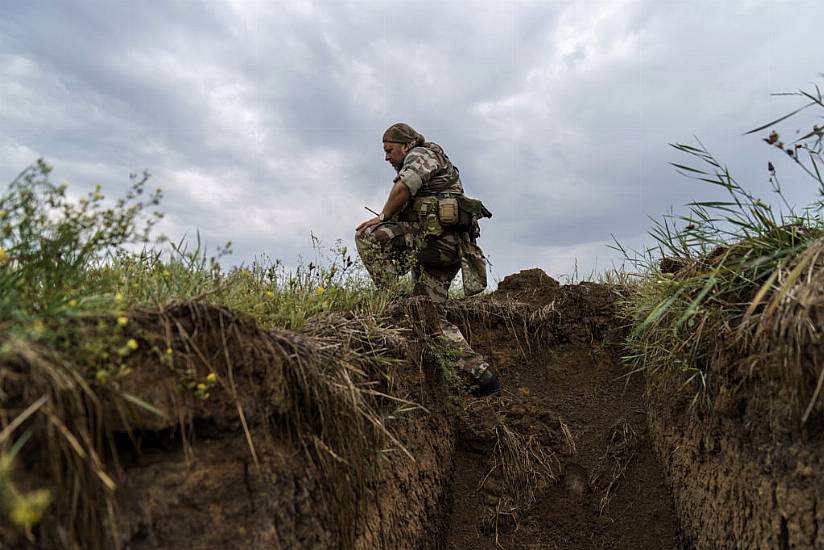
{"x":740,"y":479}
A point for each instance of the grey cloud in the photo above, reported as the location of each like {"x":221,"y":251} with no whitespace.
{"x":262,"y":119}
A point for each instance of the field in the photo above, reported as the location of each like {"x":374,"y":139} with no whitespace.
{"x":153,"y":399}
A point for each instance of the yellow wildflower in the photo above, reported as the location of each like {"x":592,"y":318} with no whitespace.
{"x":320,"y":290}
{"x":270,"y":294}
{"x":4,"y":257}
{"x":118,"y":297}
{"x":102,"y":375}
{"x":29,"y":509}
{"x":212,"y":377}
{"x":72,"y":302}
{"x":122,"y":320}
{"x":169,"y":351}
{"x":132,"y":344}
{"x":201,"y":387}
{"x":167,"y":273}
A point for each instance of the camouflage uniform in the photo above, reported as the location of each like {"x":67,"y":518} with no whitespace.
{"x":391,"y":248}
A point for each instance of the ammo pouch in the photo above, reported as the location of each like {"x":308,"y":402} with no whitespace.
{"x":426,"y":210}
{"x":454,"y":212}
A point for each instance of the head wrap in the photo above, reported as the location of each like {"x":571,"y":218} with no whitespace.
{"x":403,"y":133}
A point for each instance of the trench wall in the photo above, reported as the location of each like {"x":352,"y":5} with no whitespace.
{"x":184,"y":474}
{"x":735,"y":482}
{"x":217,"y":500}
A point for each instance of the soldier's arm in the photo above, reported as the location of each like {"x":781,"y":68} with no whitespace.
{"x":398,"y":196}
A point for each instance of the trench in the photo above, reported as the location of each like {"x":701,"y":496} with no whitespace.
{"x":560,"y":459}
{"x":565,"y":399}
{"x":572,"y":454}
{"x":609,"y":490}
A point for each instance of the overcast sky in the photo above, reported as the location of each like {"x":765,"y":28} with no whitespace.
{"x":261,"y":119}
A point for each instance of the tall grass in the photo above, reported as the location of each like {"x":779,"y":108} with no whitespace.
{"x":714,"y":266}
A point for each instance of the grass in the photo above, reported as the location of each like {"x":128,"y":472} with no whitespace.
{"x":725,"y":268}
{"x":78,"y":282}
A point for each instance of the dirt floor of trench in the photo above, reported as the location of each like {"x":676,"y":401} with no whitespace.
{"x":609,"y":490}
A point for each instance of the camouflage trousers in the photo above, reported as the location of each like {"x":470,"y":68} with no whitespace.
{"x":391,"y":249}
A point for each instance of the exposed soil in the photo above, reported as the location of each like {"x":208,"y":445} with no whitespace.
{"x":742,"y":474}
{"x":573,"y":397}
{"x":560,"y":459}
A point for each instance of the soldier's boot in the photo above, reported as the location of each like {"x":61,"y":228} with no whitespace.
{"x":486,"y":384}
{"x":482,"y":380}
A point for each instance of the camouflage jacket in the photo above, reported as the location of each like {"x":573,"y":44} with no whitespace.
{"x":426,"y":170}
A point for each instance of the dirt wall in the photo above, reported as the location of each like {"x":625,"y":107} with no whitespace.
{"x":328,"y":437}
{"x":216,"y":499}
{"x":738,"y":480}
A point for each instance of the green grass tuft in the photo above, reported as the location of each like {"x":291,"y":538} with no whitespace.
{"x":713,"y":268}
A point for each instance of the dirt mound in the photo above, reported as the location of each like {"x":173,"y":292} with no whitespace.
{"x":552,"y":314}
{"x":531,"y":285}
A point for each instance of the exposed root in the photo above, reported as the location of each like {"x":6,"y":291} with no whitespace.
{"x":503,"y":518}
{"x":568,"y":437}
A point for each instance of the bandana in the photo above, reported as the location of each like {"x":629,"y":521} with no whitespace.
{"x":403,"y":133}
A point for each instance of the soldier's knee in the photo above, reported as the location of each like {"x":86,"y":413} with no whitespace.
{"x":399,"y":242}
{"x":377,"y":236}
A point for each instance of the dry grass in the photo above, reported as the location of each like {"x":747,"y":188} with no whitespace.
{"x":524,"y":468}
{"x":68,"y":429}
{"x":527,"y":325}
{"x":620,"y":451}
{"x":523,"y":465}
{"x":784,"y":324}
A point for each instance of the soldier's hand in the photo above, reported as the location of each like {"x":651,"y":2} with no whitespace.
{"x":367,"y":224}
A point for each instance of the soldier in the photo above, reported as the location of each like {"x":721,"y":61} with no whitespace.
{"x":429,"y":226}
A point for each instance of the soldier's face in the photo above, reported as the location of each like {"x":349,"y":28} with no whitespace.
{"x":394,"y":153}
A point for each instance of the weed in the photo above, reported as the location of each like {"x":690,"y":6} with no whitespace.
{"x":717,"y":273}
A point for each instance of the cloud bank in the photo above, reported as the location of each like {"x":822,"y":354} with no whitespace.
{"x":261,"y":119}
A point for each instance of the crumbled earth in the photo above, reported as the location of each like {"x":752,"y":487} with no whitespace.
{"x":575,"y":400}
